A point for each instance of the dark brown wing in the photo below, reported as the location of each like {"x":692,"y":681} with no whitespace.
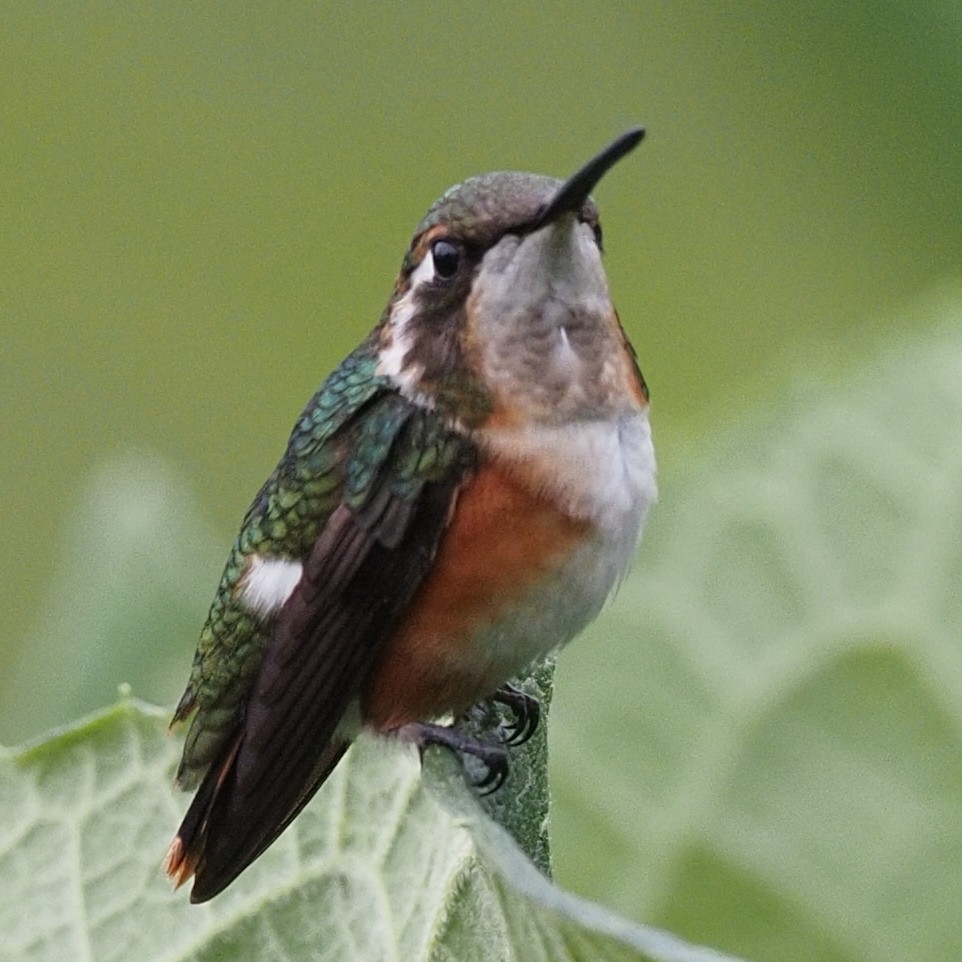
{"x":360,"y":575}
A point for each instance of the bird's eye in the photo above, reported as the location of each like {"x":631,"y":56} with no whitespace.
{"x":447,"y":259}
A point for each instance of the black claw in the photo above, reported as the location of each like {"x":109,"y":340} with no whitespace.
{"x":526,"y":710}
{"x":497,"y":774}
{"x":494,"y":758}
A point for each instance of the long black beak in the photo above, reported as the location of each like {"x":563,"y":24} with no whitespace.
{"x":575,"y":190}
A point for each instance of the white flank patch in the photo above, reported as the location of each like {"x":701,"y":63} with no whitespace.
{"x":268,"y":583}
{"x":393,"y":357}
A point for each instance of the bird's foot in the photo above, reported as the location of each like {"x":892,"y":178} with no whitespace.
{"x":525,"y":708}
{"x":493,"y":757}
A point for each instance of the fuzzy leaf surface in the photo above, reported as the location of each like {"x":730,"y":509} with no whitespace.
{"x":383,"y":864}
{"x":774,"y":703}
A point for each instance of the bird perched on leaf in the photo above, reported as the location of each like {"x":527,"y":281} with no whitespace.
{"x":459,"y":498}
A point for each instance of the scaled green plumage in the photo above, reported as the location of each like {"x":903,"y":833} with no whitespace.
{"x":357,"y":442}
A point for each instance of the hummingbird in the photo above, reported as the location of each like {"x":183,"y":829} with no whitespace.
{"x":459,"y":498}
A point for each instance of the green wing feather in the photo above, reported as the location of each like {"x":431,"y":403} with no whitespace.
{"x":341,"y":446}
{"x":361,"y":499}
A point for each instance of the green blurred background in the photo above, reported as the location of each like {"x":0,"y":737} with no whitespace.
{"x":204,"y":206}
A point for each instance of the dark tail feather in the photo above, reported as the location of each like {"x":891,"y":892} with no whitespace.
{"x":188,"y":845}
{"x":215,"y":841}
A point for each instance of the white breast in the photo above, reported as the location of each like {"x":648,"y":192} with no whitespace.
{"x":601,"y":471}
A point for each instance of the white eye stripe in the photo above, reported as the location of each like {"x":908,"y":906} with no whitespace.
{"x":394,"y":356}
{"x":423,"y":273}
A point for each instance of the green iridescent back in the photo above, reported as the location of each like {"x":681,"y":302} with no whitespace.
{"x":356,"y":441}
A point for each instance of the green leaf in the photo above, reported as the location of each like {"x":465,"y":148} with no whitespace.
{"x":383,"y":864}
{"x":774,"y":704}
